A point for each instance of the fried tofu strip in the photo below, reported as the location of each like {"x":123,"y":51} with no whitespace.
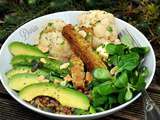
{"x":77,"y":72}
{"x":82,"y":48}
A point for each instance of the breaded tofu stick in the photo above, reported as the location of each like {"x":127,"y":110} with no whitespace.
{"x":82,"y":48}
{"x":77,"y":72}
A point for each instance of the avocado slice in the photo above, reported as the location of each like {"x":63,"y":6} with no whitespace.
{"x":66,"y":96}
{"x":25,"y":69}
{"x":19,"y":81}
{"x":51,"y":64}
{"x":24,"y":60}
{"x":19,"y":48}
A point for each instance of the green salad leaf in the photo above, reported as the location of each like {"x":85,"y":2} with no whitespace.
{"x":111,"y":100}
{"x":128,"y":94}
{"x":99,"y":100}
{"x":121,"y":96}
{"x":80,"y":112}
{"x":105,"y":88}
{"x":122,"y":80}
{"x":110,"y":90}
{"x":113,"y":49}
{"x":84,"y":112}
{"x":128,"y":61}
{"x":142,"y":51}
{"x":113,"y":60}
{"x":100,"y":109}
{"x":101,"y":74}
{"x":143,"y":73}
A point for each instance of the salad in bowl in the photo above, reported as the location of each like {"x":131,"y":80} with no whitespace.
{"x":77,"y":68}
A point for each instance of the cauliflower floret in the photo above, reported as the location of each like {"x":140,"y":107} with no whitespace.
{"x":51,"y":40}
{"x":64,"y":65}
{"x":103,"y":25}
{"x":99,"y":30}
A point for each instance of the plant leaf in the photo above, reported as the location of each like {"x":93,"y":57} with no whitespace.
{"x":113,"y":49}
{"x":105,"y":88}
{"x":121,"y":96}
{"x":128,"y":95}
{"x":128,"y":61}
{"x":113,"y":60}
{"x":122,"y":80}
{"x":142,"y":51}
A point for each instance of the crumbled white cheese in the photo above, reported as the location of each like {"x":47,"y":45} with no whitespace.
{"x":113,"y":71}
{"x":117,"y":41}
{"x":43,"y":48}
{"x":64,"y":66}
{"x":102,"y":52}
{"x":63,"y":83}
{"x":82,"y":33}
{"x":42,"y":78}
{"x":43,"y":60}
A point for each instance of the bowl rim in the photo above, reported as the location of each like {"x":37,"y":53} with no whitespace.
{"x":106,"y":112}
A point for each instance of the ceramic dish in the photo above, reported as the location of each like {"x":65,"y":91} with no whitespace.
{"x":27,"y":32}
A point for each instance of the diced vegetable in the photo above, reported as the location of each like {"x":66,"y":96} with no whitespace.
{"x":109,"y":29}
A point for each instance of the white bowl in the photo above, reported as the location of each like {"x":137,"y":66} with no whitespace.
{"x":27,"y":32}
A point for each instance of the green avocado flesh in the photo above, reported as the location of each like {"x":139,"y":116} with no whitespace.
{"x":66,"y":96}
{"x":24,"y":69}
{"x":18,"y":48}
{"x":19,"y":81}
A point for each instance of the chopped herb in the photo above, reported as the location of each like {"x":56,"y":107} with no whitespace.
{"x":109,"y":29}
{"x":40,"y":34}
{"x":62,"y":43}
{"x":89,"y":37}
{"x":50,"y":24}
{"x":98,"y":21}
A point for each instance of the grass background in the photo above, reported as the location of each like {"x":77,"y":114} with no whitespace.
{"x":143,"y":14}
